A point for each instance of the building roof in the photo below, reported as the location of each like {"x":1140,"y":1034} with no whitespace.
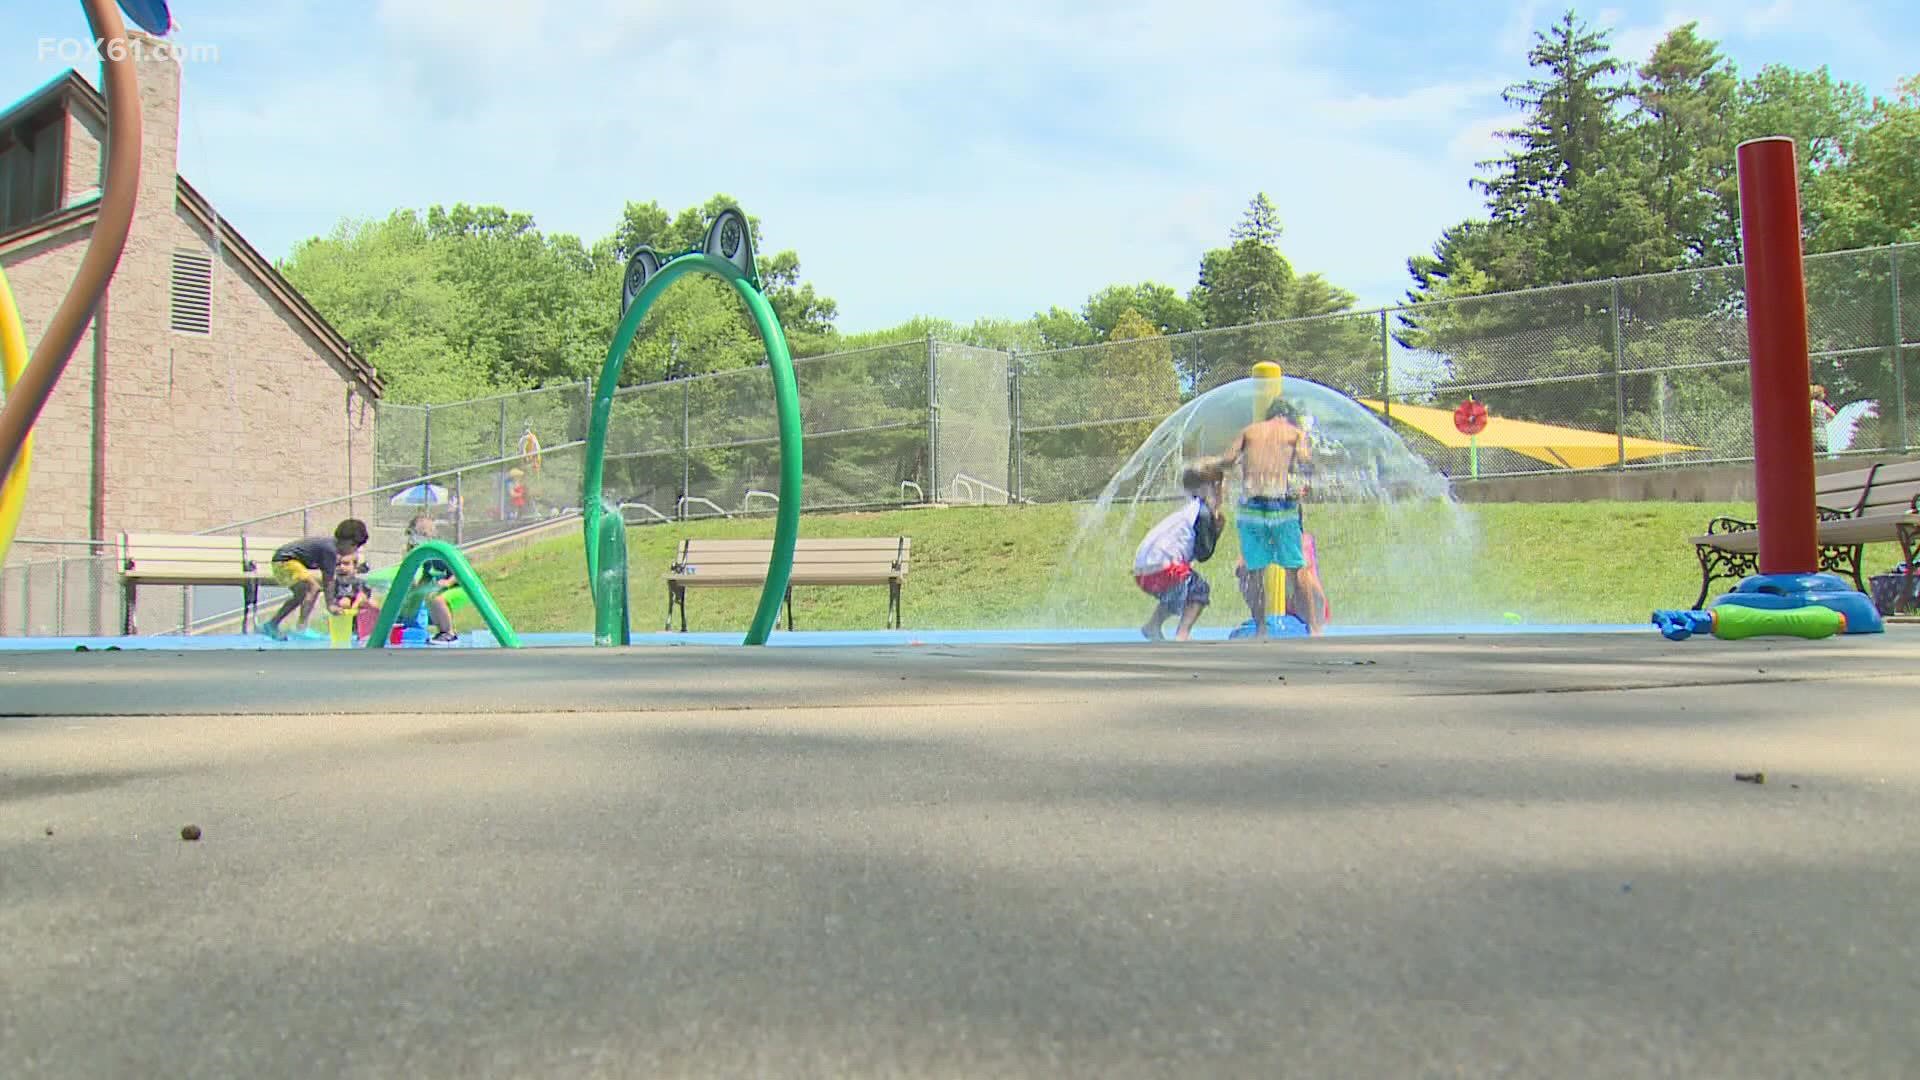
{"x":72,"y":91}
{"x":55,"y":90}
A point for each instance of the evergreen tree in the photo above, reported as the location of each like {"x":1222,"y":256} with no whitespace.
{"x":1572,"y":119}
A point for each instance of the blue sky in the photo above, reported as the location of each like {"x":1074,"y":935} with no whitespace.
{"x":921,"y":161}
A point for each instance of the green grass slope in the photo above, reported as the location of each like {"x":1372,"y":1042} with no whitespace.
{"x":994,"y":567}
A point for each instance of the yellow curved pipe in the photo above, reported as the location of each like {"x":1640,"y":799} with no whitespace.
{"x":13,"y":361}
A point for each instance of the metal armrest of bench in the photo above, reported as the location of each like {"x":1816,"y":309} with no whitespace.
{"x":1717,"y":562}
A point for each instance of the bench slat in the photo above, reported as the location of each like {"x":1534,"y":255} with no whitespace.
{"x":726,"y":581}
{"x":1852,"y":480}
{"x":766,"y":546}
{"x":810,"y":558}
{"x":1898,"y":472}
{"x":1867,"y":529}
{"x":1900,"y":494}
{"x":742,"y":564}
{"x":845,"y":561}
{"x":175,"y":574}
{"x":210,"y":544}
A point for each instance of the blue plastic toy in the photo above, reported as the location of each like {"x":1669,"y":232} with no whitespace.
{"x":1787,"y":591}
{"x":1277,"y":626}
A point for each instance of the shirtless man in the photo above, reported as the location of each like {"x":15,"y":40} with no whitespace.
{"x":1268,"y":517}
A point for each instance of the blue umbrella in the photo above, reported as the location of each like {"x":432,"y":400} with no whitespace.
{"x":150,"y":15}
{"x":420,"y":495}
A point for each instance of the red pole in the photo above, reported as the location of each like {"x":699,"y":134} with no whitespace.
{"x":1777,"y":342}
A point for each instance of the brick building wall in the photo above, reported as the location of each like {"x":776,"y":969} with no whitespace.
{"x":200,"y":429}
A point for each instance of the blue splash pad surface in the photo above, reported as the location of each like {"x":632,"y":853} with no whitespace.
{"x":480,"y":639}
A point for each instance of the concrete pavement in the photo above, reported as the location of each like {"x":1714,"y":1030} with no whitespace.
{"x":1518,"y":856}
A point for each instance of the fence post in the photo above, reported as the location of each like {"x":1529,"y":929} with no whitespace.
{"x":95,"y":589}
{"x":426,"y":440}
{"x":1899,"y":362}
{"x":1619,"y":378}
{"x":1018,"y":448}
{"x":60,"y":597}
{"x":933,"y":421}
{"x":459,"y":510}
{"x":503,"y":428}
{"x":1386,"y":367}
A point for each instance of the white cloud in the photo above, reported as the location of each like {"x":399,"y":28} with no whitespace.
{"x":1516,"y":34}
{"x":991,"y":162}
{"x":1777,"y":14}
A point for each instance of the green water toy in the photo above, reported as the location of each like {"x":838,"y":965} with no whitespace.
{"x":1731,"y":622}
{"x":728,"y":255}
{"x":463,"y":572}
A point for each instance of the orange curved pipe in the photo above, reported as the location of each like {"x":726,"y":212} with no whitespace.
{"x":109,"y":238}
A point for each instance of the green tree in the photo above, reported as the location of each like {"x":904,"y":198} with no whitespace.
{"x":1245,"y":294}
{"x":1685,"y":94}
{"x":1137,"y":365}
{"x":1248,"y":281}
{"x":1161,"y":306}
{"x":1571,"y":122}
{"x":1062,"y":329}
{"x":1823,"y":116}
{"x":805,"y":314}
{"x":380,"y":284}
{"x":523,"y":290}
{"x":1874,"y":197}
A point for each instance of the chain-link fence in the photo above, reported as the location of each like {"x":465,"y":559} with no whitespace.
{"x":1661,"y":358}
{"x":59,"y":596}
{"x":415,"y":440}
{"x":972,"y":425}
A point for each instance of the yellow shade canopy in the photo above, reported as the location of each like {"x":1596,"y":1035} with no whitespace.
{"x":1573,"y":448}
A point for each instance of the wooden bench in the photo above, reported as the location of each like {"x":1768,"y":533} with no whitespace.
{"x":740,"y":564}
{"x":1863,"y":506}
{"x":176,"y":559}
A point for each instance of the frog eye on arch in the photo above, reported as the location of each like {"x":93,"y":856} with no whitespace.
{"x":730,"y":238}
{"x":643,"y":265}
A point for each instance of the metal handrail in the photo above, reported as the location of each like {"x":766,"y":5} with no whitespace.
{"x":535,"y":391}
{"x":63,"y":543}
{"x":643,"y":506}
{"x":976,"y":484}
{"x":917,"y":490}
{"x":680,"y":507}
{"x":746,"y":501}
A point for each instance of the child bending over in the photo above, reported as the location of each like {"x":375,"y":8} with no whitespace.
{"x":1163,"y":564}
{"x":307,"y":568}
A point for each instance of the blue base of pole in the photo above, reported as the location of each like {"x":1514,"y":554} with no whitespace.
{"x":1780,"y":591}
{"x":1277,"y":626}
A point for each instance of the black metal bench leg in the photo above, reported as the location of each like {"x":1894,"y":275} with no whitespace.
{"x":128,"y":596}
{"x":683,"y":609}
{"x":893,"y":604}
{"x":789,"y":607}
{"x":1706,"y":579}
